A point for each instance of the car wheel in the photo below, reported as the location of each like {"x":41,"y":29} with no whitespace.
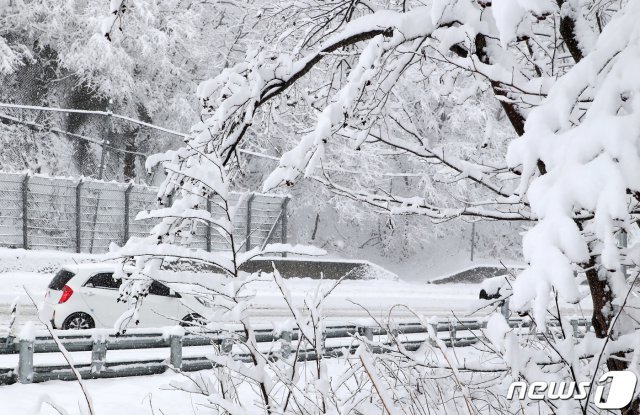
{"x":192,"y":320}
{"x":78,"y":321}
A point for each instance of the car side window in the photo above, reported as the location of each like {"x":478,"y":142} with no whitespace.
{"x":158,"y":288}
{"x":103,"y":280}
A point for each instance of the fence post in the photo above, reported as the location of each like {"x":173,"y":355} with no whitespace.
{"x":283,"y":213}
{"x":473,"y":238}
{"x":248,"y":240}
{"x":25,"y":361}
{"x":98,"y":355}
{"x":78,"y":217}
{"x":127,"y":194}
{"x":25,"y":211}
{"x":175,"y":357}
{"x":208,"y":235}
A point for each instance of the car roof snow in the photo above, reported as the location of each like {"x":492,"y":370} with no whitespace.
{"x":92,"y":267}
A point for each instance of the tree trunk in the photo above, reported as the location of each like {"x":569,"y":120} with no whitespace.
{"x":601,"y":292}
{"x":129,"y":165}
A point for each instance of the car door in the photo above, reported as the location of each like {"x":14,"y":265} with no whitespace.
{"x":100,"y":293}
{"x":160,"y":307}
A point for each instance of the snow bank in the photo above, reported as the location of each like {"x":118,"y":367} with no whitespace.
{"x":41,"y":261}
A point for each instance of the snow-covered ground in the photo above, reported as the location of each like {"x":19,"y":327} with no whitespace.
{"x":123,"y":396}
{"x":350,"y":302}
{"x":23,"y":271}
{"x":351,"y":299}
{"x":151,"y":395}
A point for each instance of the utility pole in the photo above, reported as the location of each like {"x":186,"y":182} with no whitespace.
{"x":102,"y":146}
{"x":104,"y":143}
{"x":473,"y":238}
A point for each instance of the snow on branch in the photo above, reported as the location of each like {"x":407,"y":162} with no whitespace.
{"x":231,"y":99}
{"x":591,"y":166}
{"x":397,"y":205}
{"x":117,"y":9}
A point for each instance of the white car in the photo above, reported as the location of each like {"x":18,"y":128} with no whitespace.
{"x":85,"y":296}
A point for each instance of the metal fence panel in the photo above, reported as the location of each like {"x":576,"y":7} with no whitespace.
{"x":51,"y":213}
{"x":11,"y":210}
{"x":141,"y":198}
{"x":40,"y":212}
{"x":101,"y":215}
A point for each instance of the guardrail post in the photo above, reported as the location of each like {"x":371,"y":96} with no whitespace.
{"x":323,"y":338}
{"x":248,"y":239}
{"x":393,"y":332}
{"x":504,"y":308}
{"x":452,"y":334}
{"x":25,"y":361}
{"x":283,"y":214}
{"x":175,"y":358}
{"x":285,"y":344}
{"x":366,"y":332}
{"x":433,"y":341}
{"x":25,"y":211}
{"x":98,"y":355}
{"x":226,"y":346}
{"x":78,"y":217}
{"x":127,"y":215}
{"x":574,"y":324}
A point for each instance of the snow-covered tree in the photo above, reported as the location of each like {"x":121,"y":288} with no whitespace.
{"x":191,"y":182}
{"x":142,"y":59}
{"x":563,"y":73}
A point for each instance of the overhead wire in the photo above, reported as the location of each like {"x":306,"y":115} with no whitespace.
{"x":143,"y":123}
{"x":70,"y":134}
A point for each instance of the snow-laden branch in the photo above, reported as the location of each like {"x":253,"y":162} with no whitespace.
{"x":475,"y":172}
{"x":589,"y":166}
{"x":397,"y":205}
{"x":247,"y":86}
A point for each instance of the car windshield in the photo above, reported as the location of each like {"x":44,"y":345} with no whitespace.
{"x":61,"y":279}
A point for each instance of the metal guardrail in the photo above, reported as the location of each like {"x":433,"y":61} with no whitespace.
{"x":98,"y":344}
